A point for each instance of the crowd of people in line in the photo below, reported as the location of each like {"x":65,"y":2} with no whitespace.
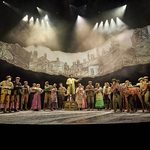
{"x":16,"y":96}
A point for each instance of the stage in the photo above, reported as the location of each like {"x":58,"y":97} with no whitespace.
{"x":72,"y":117}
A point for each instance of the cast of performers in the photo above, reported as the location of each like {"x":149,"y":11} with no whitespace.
{"x":6,"y":88}
{"x":15,"y":96}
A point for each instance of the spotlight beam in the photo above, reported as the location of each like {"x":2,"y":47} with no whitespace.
{"x":12,"y":7}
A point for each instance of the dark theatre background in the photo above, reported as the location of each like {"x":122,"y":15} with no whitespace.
{"x":137,"y":15}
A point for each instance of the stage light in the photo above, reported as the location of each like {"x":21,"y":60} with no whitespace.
{"x":12,"y":7}
{"x":41,"y":12}
{"x":46,"y":17}
{"x":120,"y":11}
{"x":25,"y":18}
{"x":106,"y":27}
{"x":80,"y":19}
{"x":31,"y":21}
{"x":112,"y":25}
{"x":124,"y":7}
{"x":95,"y":26}
{"x":101,"y":26}
{"x":37,"y":22}
{"x":6,"y":4}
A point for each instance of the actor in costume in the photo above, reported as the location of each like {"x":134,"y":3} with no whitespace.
{"x":47,"y":96}
{"x":107,"y":96}
{"x":80,"y":96}
{"x":61,"y":96}
{"x":146,"y":92}
{"x":130,"y":95}
{"x":36,"y":103}
{"x":71,"y":86}
{"x":6,"y":87}
{"x":25,"y":95}
{"x":115,"y":89}
{"x":54,"y":101}
{"x":32,"y":92}
{"x":99,"y":103}
{"x":16,"y":93}
{"x":90,"y":95}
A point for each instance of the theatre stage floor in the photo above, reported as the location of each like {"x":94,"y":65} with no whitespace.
{"x":72,"y":117}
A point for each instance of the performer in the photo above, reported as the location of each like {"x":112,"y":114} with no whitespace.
{"x":107,"y":96}
{"x":61,"y":96}
{"x":31,"y":96}
{"x":130,"y":96}
{"x":25,"y":95}
{"x":6,"y":87}
{"x":16,"y":92}
{"x":71,"y":86}
{"x":80,"y":96}
{"x":146,"y":92}
{"x":116,"y":95}
{"x":90,"y":95}
{"x":36,"y":103}
{"x":54,"y":101}
{"x":47,"y":96}
{"x":99,"y":104}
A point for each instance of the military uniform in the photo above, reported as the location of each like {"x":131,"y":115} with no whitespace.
{"x":6,"y":87}
{"x":47,"y":96}
{"x":16,"y":92}
{"x":116,"y":95}
{"x":61,"y":96}
{"x":90,"y":96}
{"x":25,"y":96}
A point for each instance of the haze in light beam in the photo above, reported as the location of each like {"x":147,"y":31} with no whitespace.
{"x":120,"y":24}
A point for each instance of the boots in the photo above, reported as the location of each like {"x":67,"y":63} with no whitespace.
{"x":26,"y":106}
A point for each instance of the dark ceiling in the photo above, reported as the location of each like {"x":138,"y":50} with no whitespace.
{"x":66,"y":11}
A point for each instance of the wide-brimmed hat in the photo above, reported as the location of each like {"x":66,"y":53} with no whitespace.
{"x":145,"y":77}
{"x":127,"y":81}
{"x":7,"y":77}
{"x":141,"y":78}
{"x":114,"y":79}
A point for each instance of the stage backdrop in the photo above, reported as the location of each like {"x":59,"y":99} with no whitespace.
{"x":127,"y":48}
